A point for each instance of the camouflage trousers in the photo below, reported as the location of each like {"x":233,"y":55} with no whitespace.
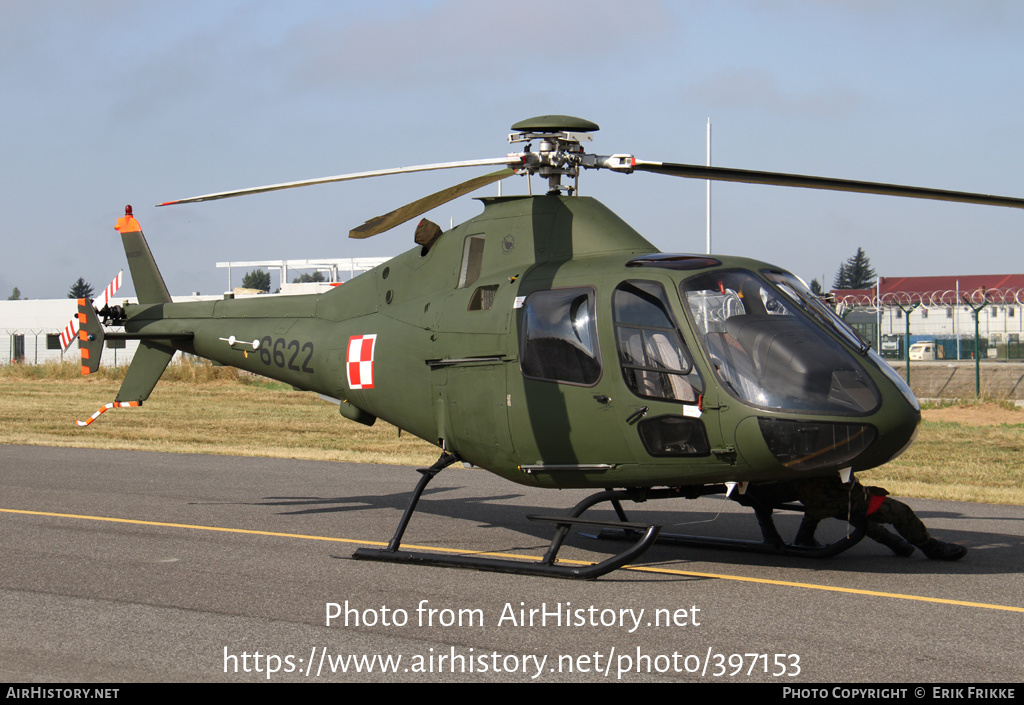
{"x":902,"y":519}
{"x":828,"y":497}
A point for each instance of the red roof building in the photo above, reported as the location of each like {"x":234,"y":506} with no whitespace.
{"x":944,"y":290}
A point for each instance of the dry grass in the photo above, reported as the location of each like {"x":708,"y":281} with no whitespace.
{"x":186,"y":369}
{"x":198,"y":408}
{"x":225,"y":412}
{"x":975,"y":453}
{"x":985,"y":400}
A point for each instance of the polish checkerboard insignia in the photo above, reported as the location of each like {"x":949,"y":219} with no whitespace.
{"x":360,"y":361}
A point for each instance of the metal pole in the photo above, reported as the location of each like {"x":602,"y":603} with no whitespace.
{"x":878,"y":315}
{"x":956,"y":318}
{"x":907,"y":349}
{"x":906,"y":339}
{"x":709,"y":191}
{"x":977,"y":343}
{"x":977,"y":356}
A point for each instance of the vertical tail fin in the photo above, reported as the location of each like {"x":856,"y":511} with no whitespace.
{"x":151,"y":357}
{"x":149,"y":284}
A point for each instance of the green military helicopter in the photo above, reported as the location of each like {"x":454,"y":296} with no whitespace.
{"x":545,"y":340}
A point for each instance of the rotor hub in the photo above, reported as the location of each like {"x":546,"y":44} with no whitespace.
{"x":558,"y":150}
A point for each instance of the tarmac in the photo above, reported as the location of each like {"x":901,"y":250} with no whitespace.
{"x":127,"y":567}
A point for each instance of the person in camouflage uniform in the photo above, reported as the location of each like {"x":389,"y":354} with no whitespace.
{"x":871,"y":506}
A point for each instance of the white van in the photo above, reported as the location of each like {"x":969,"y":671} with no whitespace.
{"x":923,"y":351}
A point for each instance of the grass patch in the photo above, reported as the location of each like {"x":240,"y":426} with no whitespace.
{"x":966,"y":449}
{"x":183,"y":369}
{"x":983,"y":400}
{"x":228,"y":413}
{"x":959,"y":461}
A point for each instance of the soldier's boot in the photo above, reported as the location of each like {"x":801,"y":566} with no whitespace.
{"x":805,"y":534}
{"x":942,"y":551}
{"x":896,"y":544}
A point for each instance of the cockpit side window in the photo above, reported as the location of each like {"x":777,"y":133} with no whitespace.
{"x":655,"y":362}
{"x":558,"y":337}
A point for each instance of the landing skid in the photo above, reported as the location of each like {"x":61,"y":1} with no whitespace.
{"x":642,"y":536}
{"x":771,"y":541}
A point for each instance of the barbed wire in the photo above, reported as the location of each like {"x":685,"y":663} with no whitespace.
{"x":930,"y":299}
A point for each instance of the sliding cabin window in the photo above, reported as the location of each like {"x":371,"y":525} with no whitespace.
{"x":558,"y":337}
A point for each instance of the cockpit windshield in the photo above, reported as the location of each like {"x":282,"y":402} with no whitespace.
{"x":770,"y":350}
{"x":798,"y":292}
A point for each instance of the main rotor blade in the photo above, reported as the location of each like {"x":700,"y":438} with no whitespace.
{"x":714,"y":173}
{"x":382,"y":223}
{"x":511,"y":159}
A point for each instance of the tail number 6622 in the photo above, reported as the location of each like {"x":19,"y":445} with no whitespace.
{"x":290,"y":354}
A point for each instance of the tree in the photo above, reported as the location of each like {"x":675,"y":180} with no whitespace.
{"x":855,"y":273}
{"x":816,"y":287}
{"x":81,"y":289}
{"x":257,"y":279}
{"x":15,"y":295}
{"x":308,"y":278}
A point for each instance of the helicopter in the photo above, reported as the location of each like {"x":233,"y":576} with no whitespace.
{"x":545,"y":340}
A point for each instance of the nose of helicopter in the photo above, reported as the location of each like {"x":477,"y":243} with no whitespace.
{"x":898,"y":418}
{"x":816,"y":445}
{"x":898,"y":424}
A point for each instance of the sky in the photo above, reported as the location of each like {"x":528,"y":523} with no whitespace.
{"x":111,"y":102}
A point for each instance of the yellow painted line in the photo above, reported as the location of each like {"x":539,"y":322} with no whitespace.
{"x":188,"y":526}
{"x":642,"y":569}
{"x":829,"y":588}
